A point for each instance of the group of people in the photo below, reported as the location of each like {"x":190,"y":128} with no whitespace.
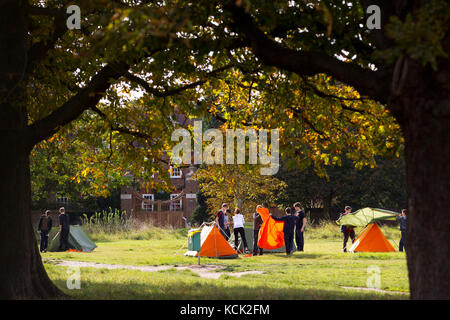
{"x":349,"y":232}
{"x":294,"y":227}
{"x":45,"y":225}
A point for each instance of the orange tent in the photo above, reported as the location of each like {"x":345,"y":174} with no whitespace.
{"x":213,"y":244}
{"x":371,"y":239}
{"x":271,"y":235}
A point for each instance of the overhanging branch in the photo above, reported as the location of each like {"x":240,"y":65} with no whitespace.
{"x":85,"y":98}
{"x":170,"y":92}
{"x":307,"y":63}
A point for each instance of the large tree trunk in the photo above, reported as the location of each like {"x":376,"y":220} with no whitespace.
{"x":425,"y":120}
{"x":22,"y":275}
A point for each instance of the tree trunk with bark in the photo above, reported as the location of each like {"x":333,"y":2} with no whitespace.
{"x":425,"y":119}
{"x":22,"y":274}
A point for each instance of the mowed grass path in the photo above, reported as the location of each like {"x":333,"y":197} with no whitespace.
{"x":319,"y":272}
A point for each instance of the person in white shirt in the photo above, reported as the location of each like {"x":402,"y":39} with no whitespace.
{"x":238,"y":225}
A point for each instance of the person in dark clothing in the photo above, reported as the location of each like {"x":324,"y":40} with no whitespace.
{"x":257,"y":222}
{"x":289,"y":225}
{"x":226,"y":223}
{"x":220,"y":220}
{"x":44,"y":227}
{"x":64,"y":230}
{"x":347,"y":231}
{"x":300,"y":226}
{"x":402,"y":219}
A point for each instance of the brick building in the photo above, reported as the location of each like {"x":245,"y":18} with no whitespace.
{"x":175,"y":211}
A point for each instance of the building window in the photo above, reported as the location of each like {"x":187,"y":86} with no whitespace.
{"x":176,"y":205}
{"x":61,"y":199}
{"x":147,"y":206}
{"x":175,"y":172}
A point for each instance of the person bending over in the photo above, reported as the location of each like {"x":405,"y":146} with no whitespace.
{"x":289,"y":226}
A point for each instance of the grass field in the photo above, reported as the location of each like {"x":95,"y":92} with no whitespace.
{"x":320,"y":272}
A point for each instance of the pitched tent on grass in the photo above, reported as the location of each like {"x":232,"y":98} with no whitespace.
{"x":78,"y":240}
{"x":371,"y":238}
{"x":213,"y":244}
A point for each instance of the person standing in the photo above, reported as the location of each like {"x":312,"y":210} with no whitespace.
{"x":402,"y":219}
{"x":290,"y":221}
{"x":257,"y":222}
{"x":238,"y":226}
{"x":299,"y":226}
{"x":220,"y":220}
{"x":226,"y":223}
{"x":347,"y":231}
{"x":44,"y":227}
{"x":64,"y":230}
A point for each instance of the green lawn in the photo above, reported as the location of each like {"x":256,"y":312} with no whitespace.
{"x":318,"y":273}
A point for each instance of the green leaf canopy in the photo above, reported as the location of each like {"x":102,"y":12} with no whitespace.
{"x":365,"y":216}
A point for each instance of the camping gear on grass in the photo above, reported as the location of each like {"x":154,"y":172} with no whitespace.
{"x":371,"y":239}
{"x":271,"y":235}
{"x":212,"y":243}
{"x":249,"y":235}
{"x":78,"y":240}
{"x":365,"y":216}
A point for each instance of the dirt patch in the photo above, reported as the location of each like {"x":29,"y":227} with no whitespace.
{"x":374,"y":289}
{"x":204,"y":271}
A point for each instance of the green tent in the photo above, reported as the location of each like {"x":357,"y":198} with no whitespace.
{"x":78,"y":240}
{"x":365,"y":216}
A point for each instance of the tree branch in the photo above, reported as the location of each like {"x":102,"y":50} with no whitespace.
{"x":170,"y":92}
{"x":85,"y":98}
{"x":307,"y":63}
{"x":120,"y":128}
{"x":332,"y":96}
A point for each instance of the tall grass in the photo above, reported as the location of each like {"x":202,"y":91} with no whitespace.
{"x":113,"y":225}
{"x":324,"y":229}
{"x":111,"y":221}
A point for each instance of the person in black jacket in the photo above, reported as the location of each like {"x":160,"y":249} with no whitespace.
{"x":44,"y":227}
{"x":220,"y":220}
{"x":257,"y":222}
{"x":289,"y":225}
{"x":347,"y":231}
{"x":300,"y":226}
{"x":402,"y":219}
{"x":64,"y":229}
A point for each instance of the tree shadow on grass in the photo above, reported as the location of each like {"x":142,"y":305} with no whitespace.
{"x":209,"y":290}
{"x":301,"y":255}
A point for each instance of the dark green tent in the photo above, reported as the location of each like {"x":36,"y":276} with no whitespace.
{"x":78,"y":240}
